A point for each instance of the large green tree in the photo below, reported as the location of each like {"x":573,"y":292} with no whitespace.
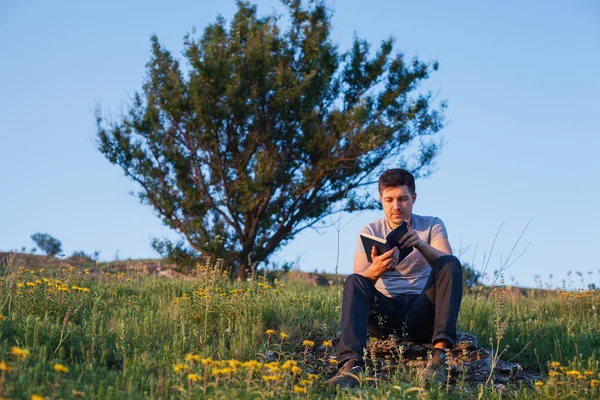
{"x":268,"y":129}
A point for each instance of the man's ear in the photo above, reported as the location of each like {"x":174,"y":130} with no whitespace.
{"x":414,"y":197}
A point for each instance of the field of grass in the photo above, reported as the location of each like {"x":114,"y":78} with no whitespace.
{"x":71,"y":332}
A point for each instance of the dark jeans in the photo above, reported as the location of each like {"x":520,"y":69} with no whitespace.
{"x":425,"y":318}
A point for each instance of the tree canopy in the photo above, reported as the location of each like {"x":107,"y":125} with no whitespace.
{"x":49,"y":245}
{"x":268,"y":129}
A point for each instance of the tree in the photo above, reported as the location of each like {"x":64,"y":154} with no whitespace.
{"x":270,"y":129}
{"x":47,"y":243}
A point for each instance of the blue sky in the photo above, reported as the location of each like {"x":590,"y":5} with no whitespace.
{"x":521,"y":140}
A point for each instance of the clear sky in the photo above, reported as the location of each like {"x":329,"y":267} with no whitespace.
{"x":521,"y":141}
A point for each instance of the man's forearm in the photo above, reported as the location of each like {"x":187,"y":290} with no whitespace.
{"x":429,"y":253}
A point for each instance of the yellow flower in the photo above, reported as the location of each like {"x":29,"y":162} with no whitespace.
{"x":296,"y":370}
{"x":42,"y":270}
{"x":36,"y":397}
{"x":572,"y":372}
{"x":312,"y":377}
{"x":299,"y":389}
{"x":252,"y":365}
{"x":193,"y":377}
{"x":77,"y":393}
{"x":234,"y":363}
{"x":539,"y":383}
{"x":20,"y":285}
{"x":332,"y":361}
{"x":270,"y":332}
{"x":192,"y":357}
{"x":594,"y":383}
{"x":207,"y":361}
{"x":18,"y":352}
{"x":4,"y":367}
{"x":283,"y":336}
{"x":555,"y":364}
{"x":180,"y":367}
{"x":270,"y":378}
{"x":2,"y":318}
{"x":552,"y":374}
{"x":305,"y":382}
{"x":327,"y":343}
{"x":30,"y":284}
{"x":308,"y":343}
{"x":61,"y":369}
{"x":588,"y":373}
{"x":289,"y":364}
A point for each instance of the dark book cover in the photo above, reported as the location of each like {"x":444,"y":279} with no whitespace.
{"x":382,"y":245}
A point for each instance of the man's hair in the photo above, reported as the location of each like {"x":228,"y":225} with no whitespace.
{"x":396,"y":177}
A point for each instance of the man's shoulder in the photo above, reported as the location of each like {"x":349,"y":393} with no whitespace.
{"x":422,"y":222}
{"x":374,"y":227}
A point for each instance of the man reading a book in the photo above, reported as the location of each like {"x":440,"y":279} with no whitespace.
{"x":417,"y":297}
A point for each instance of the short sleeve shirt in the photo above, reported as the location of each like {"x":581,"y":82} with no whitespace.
{"x":411,"y":274}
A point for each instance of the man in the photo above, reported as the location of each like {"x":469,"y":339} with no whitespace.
{"x":418,"y":297}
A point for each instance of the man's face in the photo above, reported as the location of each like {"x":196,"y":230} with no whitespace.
{"x":397,"y":204}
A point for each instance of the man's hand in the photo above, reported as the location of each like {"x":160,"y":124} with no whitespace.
{"x":381,"y":263}
{"x":410,"y":239}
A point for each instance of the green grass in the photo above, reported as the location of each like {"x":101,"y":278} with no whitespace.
{"x":121,"y":336}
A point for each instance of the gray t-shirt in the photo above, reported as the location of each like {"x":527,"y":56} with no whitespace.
{"x":410,"y":275}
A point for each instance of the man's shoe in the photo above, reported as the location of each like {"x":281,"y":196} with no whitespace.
{"x":344,"y":377}
{"x":436,"y":369}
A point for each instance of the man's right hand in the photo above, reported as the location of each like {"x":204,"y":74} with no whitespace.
{"x":381,"y":263}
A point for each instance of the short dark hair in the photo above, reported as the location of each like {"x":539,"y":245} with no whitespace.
{"x":396,"y":177}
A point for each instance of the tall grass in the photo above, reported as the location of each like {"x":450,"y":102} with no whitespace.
{"x":128,"y":335}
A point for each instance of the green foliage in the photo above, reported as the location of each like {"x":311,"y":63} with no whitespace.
{"x":470,"y":276}
{"x":269,"y":129}
{"x":47,"y":243}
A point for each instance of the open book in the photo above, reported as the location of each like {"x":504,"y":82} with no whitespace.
{"x":382,"y":245}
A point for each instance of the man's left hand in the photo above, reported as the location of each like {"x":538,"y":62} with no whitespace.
{"x":410,"y":239}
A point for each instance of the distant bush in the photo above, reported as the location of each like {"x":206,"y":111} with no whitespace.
{"x":47,"y":243}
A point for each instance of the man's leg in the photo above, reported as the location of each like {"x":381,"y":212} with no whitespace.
{"x":432,"y":316}
{"x":362,"y":303}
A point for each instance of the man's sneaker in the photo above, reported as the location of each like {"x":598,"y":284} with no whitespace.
{"x":344,"y":377}
{"x":436,"y":369}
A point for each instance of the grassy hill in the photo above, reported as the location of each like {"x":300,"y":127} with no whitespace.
{"x":109,"y":334}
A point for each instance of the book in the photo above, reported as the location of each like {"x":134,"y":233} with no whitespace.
{"x":382,"y":245}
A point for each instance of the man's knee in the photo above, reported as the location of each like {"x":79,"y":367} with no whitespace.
{"x":449,"y":264}
{"x":356,"y":280}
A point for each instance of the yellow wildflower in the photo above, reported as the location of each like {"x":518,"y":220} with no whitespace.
{"x":270,"y":332}
{"x":552,"y":374}
{"x":312,"y":377}
{"x":270,"y":378}
{"x":180,"y":367}
{"x":539,"y":383}
{"x":594,"y":382}
{"x":572,"y":372}
{"x":234,"y":363}
{"x":252,"y":365}
{"x":20,"y":353}
{"x":332,"y":361}
{"x":289,"y":364}
{"x":299,"y":389}
{"x":4,"y":367}
{"x":305,"y":382}
{"x":36,"y":397}
{"x":42,"y":270}
{"x":555,"y":364}
{"x":193,"y":377}
{"x":283,"y":336}
{"x":30,"y":284}
{"x":308,"y":343}
{"x":2,"y":318}
{"x":61,"y":369}
{"x":20,"y":285}
{"x":192,"y":357}
{"x":327,"y":343}
{"x":296,"y":370}
{"x":207,"y":361}
{"x":588,"y":373}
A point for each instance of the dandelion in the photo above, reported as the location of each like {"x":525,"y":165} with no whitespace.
{"x":539,"y":383}
{"x":20,"y":285}
{"x":4,"y":367}
{"x":305,"y":382}
{"x":332,"y":361}
{"x":283,"y":336}
{"x":572,"y":372}
{"x":594,"y":382}
{"x":296,"y":370}
{"x":180,"y":367}
{"x":20,"y":353}
{"x":588,"y":373}
{"x":308,"y":343}
{"x":30,"y":284}
{"x":61,"y":369}
{"x":554,"y":364}
{"x":270,"y":332}
{"x":299,"y":389}
{"x":252,"y":365}
{"x":552,"y":374}
{"x":193,"y":378}
{"x":327,"y":343}
{"x":2,"y":318}
{"x":207,"y":361}
{"x":312,"y":377}
{"x":36,"y":397}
